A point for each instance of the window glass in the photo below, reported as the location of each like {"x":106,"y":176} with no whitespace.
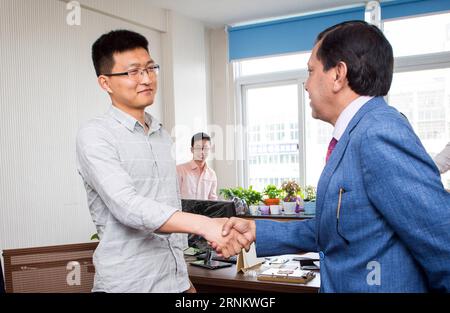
{"x":272,"y":150}
{"x":274,"y":64}
{"x":419,"y":35}
{"x":318,"y":136}
{"x":424,"y":98}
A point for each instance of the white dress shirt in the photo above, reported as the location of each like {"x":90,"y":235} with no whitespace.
{"x":346,"y":116}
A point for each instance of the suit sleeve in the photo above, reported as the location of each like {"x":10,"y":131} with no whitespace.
{"x":275,"y":238}
{"x":404,"y":186}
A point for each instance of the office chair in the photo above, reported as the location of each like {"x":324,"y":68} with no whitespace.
{"x":50,"y":269}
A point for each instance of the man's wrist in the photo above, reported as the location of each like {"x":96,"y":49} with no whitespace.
{"x":201,"y":225}
{"x":253,"y":228}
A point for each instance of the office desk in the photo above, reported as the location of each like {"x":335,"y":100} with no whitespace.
{"x":227,"y":280}
{"x":279,"y":217}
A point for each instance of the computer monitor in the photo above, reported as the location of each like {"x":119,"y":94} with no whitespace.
{"x":210,"y":208}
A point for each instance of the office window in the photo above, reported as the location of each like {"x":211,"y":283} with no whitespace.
{"x":424,"y":97}
{"x":274,"y":64}
{"x":273,"y":110}
{"x":419,"y":35}
{"x":318,"y":136}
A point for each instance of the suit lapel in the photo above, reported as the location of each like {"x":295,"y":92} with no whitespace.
{"x":336,"y":157}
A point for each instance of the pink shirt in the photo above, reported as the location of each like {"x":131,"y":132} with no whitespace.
{"x":195,"y":184}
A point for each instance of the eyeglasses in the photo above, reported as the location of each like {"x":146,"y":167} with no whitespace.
{"x":138,"y":73}
{"x":202,"y":148}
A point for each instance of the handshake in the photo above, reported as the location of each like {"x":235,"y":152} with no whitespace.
{"x":228,"y":236}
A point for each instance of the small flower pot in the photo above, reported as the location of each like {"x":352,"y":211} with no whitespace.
{"x":275,"y":209}
{"x":264,"y":209}
{"x":272,"y":201}
{"x":254,"y":210}
{"x":289,"y":207}
{"x":310,"y":207}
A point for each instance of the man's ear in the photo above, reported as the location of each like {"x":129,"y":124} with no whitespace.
{"x":192,"y":150}
{"x":340,"y":79}
{"x":103,"y":81}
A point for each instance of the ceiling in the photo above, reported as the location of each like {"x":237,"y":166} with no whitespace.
{"x":218,"y":13}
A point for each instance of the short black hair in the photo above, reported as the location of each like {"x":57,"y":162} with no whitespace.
{"x":366,"y":52}
{"x":115,"y":41}
{"x":199,"y":136}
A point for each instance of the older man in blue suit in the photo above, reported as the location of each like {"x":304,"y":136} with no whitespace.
{"x":383,"y":215}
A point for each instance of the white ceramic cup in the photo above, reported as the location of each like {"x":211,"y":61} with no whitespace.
{"x":254,"y":210}
{"x":275,"y":209}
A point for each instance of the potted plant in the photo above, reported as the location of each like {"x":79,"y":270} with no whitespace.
{"x":273,"y":195}
{"x":237,"y":196}
{"x":310,"y":198}
{"x":310,"y":193}
{"x":246,"y":197}
{"x":292,"y":197}
{"x":253,"y":198}
{"x":230,"y":193}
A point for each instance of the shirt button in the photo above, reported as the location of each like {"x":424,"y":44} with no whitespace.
{"x":321,"y":255}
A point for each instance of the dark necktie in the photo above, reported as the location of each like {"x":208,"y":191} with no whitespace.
{"x":331,"y":146}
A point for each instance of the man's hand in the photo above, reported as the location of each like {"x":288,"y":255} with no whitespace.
{"x":247,"y":228}
{"x":228,"y":245}
{"x":243,"y":226}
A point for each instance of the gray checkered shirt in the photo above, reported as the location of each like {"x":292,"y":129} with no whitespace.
{"x":131,"y":185}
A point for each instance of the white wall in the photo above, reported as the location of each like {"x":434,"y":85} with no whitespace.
{"x":186,"y":98}
{"x":223,"y":109}
{"x":47,"y":89}
{"x":136,"y":12}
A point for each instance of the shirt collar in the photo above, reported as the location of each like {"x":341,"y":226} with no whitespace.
{"x":194,"y":165}
{"x":346,"y":116}
{"x":130,"y":122}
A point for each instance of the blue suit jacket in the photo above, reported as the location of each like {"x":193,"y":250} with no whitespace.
{"x":393,"y":233}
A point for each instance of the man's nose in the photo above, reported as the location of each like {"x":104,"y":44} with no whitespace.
{"x":145,"y":78}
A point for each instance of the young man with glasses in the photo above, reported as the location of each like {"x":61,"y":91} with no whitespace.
{"x":196,"y":179}
{"x":124,"y":158}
